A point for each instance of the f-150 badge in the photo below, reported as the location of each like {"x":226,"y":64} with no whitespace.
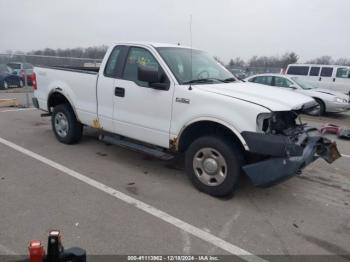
{"x":182,"y":100}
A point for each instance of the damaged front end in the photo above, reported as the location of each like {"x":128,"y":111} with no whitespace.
{"x":285,"y":146}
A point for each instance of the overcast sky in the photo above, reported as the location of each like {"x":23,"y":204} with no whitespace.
{"x":225,"y":28}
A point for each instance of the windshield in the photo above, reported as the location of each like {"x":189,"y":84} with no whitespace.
{"x":204,"y":68}
{"x":303,"y":84}
{"x":4,"y":69}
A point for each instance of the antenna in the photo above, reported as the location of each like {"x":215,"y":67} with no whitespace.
{"x":190,"y":87}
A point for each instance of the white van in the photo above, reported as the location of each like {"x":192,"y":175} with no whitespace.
{"x":325,"y":76}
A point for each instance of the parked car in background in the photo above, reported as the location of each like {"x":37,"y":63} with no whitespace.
{"x":24,"y":70}
{"x":9,"y":78}
{"x":328,"y":100}
{"x":332,"y":77}
{"x":239,"y":73}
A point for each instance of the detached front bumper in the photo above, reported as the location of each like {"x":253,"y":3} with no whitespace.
{"x":284,"y":158}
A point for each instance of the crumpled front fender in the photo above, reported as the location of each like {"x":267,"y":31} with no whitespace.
{"x":284,"y":164}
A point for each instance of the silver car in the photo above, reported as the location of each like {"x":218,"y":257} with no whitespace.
{"x":328,"y":100}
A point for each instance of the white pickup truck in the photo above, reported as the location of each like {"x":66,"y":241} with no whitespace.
{"x":167,"y":99}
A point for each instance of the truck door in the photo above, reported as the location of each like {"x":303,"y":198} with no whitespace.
{"x":105,"y":86}
{"x":142,"y":112}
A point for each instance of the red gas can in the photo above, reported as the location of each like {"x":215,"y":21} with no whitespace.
{"x":36,"y":251}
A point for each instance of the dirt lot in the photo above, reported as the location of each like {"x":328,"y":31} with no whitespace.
{"x":45,"y":184}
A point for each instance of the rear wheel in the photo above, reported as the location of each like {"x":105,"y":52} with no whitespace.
{"x":213,"y":165}
{"x":67,"y":128}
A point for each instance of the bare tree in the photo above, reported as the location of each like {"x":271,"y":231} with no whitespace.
{"x":237,"y":62}
{"x":289,"y":58}
{"x":322,"y":60}
{"x":342,"y":61}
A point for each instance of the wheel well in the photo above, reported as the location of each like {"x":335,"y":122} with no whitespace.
{"x":318,"y":99}
{"x":55,"y":99}
{"x":202,"y":128}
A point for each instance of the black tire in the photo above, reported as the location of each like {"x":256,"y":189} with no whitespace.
{"x":75,"y":128}
{"x":322,"y":106}
{"x":232,"y":155}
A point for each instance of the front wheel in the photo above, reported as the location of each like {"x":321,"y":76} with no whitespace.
{"x":6,"y":85}
{"x":213,"y":165}
{"x":320,"y":110}
{"x":67,"y":128}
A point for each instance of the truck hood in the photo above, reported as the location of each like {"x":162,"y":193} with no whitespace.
{"x":272,"y":98}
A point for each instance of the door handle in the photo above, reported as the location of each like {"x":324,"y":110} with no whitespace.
{"x":119,"y":91}
{"x":320,"y":79}
{"x":334,"y":79}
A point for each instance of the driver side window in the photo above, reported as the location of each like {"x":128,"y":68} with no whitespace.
{"x":140,"y":57}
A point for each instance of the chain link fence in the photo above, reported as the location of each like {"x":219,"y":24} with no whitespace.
{"x":44,"y":60}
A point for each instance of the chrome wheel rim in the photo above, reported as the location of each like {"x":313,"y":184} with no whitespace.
{"x":61,"y":124}
{"x":210,"y":166}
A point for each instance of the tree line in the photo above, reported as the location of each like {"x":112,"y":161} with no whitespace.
{"x":281,"y":61}
{"x":94,"y":52}
{"x":328,"y":60}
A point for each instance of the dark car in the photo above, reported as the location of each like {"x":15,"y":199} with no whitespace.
{"x":24,"y":70}
{"x":9,"y":78}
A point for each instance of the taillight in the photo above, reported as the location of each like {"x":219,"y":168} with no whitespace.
{"x":35,"y":86}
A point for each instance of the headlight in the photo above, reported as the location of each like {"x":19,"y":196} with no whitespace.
{"x":341,"y":100}
{"x":276,"y":122}
{"x":263,"y":122}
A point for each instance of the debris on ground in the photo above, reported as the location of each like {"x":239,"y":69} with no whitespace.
{"x":341,"y":132}
{"x":11,"y":102}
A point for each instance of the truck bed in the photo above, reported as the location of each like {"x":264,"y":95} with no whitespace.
{"x":79,"y":84}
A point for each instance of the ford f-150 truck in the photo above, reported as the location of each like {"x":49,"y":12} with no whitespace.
{"x":172,"y":99}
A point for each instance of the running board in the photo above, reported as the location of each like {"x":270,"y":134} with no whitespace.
{"x":123,"y":142}
{"x":45,"y":114}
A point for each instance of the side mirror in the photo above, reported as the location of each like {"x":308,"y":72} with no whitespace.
{"x":293,"y":87}
{"x":152,"y":76}
{"x":148,"y":74}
